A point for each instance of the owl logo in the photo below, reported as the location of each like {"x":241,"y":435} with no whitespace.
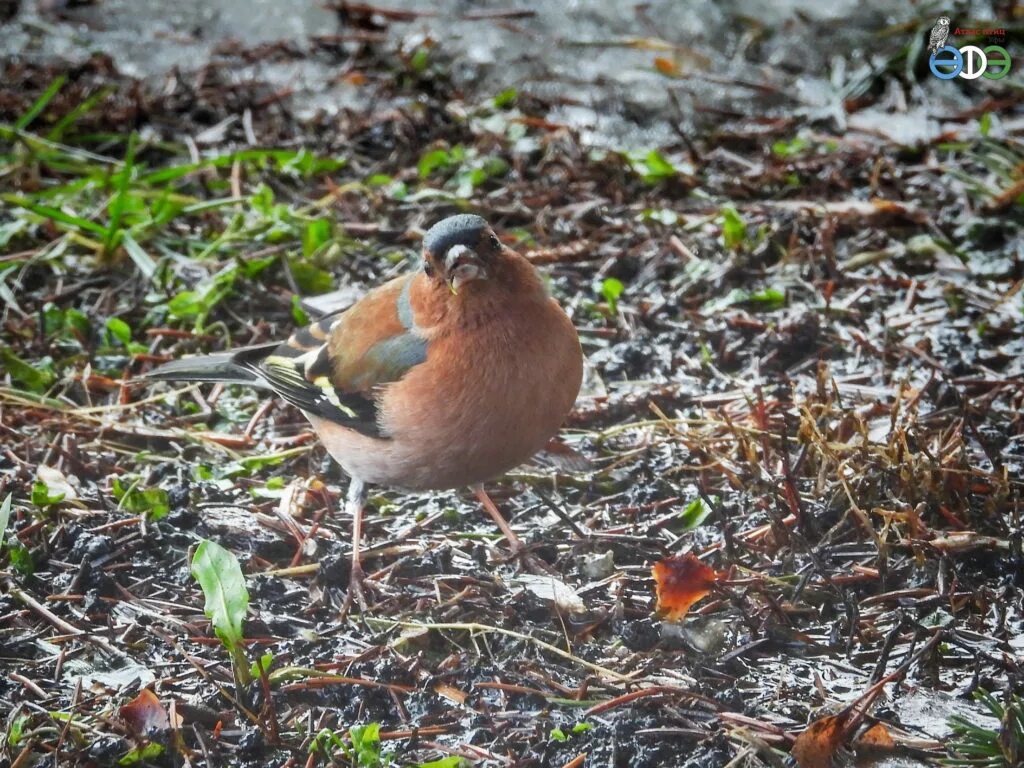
{"x":939,"y":33}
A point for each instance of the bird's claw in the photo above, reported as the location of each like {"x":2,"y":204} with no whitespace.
{"x":356,"y":591}
{"x":529,"y":561}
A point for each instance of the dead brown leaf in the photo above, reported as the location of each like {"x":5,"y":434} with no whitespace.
{"x":680,"y":582}
{"x":815,"y":747}
{"x":145,"y":715}
{"x":877,"y":737}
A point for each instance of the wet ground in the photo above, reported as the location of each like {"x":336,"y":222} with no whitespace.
{"x":798,"y":283}
{"x":624,"y":75}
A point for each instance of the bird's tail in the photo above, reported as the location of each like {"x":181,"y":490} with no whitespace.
{"x":222,"y":368}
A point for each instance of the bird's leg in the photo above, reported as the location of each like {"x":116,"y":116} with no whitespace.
{"x":514,"y":541}
{"x":354,"y":503}
{"x":532,"y":564}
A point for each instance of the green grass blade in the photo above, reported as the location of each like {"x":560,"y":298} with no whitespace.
{"x":82,"y":109}
{"x":142,"y":259}
{"x":55,"y":214}
{"x":117,"y":205}
{"x":40,"y":104}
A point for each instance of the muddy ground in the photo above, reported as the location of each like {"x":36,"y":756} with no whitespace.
{"x":803,"y":333}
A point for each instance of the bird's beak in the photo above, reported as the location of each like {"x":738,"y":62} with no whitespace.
{"x":462,"y":265}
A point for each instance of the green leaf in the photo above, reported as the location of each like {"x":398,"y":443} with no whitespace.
{"x":21,"y":558}
{"x":42,"y":496}
{"x":768,"y":299}
{"x":68,"y":323}
{"x":15,"y":730}
{"x":317,"y":234}
{"x":152,"y":503}
{"x":5,"y":517}
{"x":794,"y":146}
{"x":366,"y":745}
{"x":651,"y":166}
{"x":985,"y":124}
{"x":298,"y":313}
{"x":504,"y":99}
{"x":431,"y":161}
{"x":582,"y":727}
{"x":695,"y":513}
{"x":120,"y":330}
{"x":734,"y":229}
{"x":255,"y":267}
{"x":262,"y":200}
{"x":311,"y":279}
{"x":151,"y":751}
{"x":227,"y":599}
{"x":35,"y":378}
{"x":557,"y":734}
{"x":419,"y":61}
{"x":200,"y":302}
{"x":658,"y":167}
{"x":452,"y":761}
{"x":611,"y":290}
{"x":265,"y":661}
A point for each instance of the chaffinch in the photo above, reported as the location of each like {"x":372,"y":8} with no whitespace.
{"x":441,"y":378}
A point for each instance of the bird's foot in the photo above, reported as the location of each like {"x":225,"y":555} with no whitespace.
{"x":529,"y":561}
{"x":356,"y":591}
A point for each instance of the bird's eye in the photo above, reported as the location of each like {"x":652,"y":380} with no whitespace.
{"x":495,"y":243}
{"x":428,"y":267}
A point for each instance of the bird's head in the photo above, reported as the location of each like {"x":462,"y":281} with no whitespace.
{"x":461,"y":251}
{"x":944,"y":21}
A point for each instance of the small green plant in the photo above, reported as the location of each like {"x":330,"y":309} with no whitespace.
{"x":143,"y":754}
{"x":16,"y":728}
{"x":227,"y":599}
{"x":466,"y":169}
{"x":975,"y":745}
{"x":652,"y":167}
{"x":985,"y":124}
{"x":19,"y":556}
{"x":695,"y":513}
{"x":734,"y":229}
{"x":44,"y":496}
{"x":452,"y":761}
{"x":362,"y":747}
{"x":366,"y":746}
{"x":768,"y":299}
{"x":557,"y":734}
{"x":151,"y":503}
{"x":795,"y":146}
{"x":765,"y":300}
{"x":611,"y":289}
{"x":35,"y":377}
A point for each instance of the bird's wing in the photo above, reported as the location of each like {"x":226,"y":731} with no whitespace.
{"x":331,"y":368}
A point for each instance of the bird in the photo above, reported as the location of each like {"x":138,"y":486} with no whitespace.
{"x":939,"y":34}
{"x":445,"y":377}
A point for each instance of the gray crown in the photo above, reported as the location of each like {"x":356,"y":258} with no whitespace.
{"x":464,"y":229}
